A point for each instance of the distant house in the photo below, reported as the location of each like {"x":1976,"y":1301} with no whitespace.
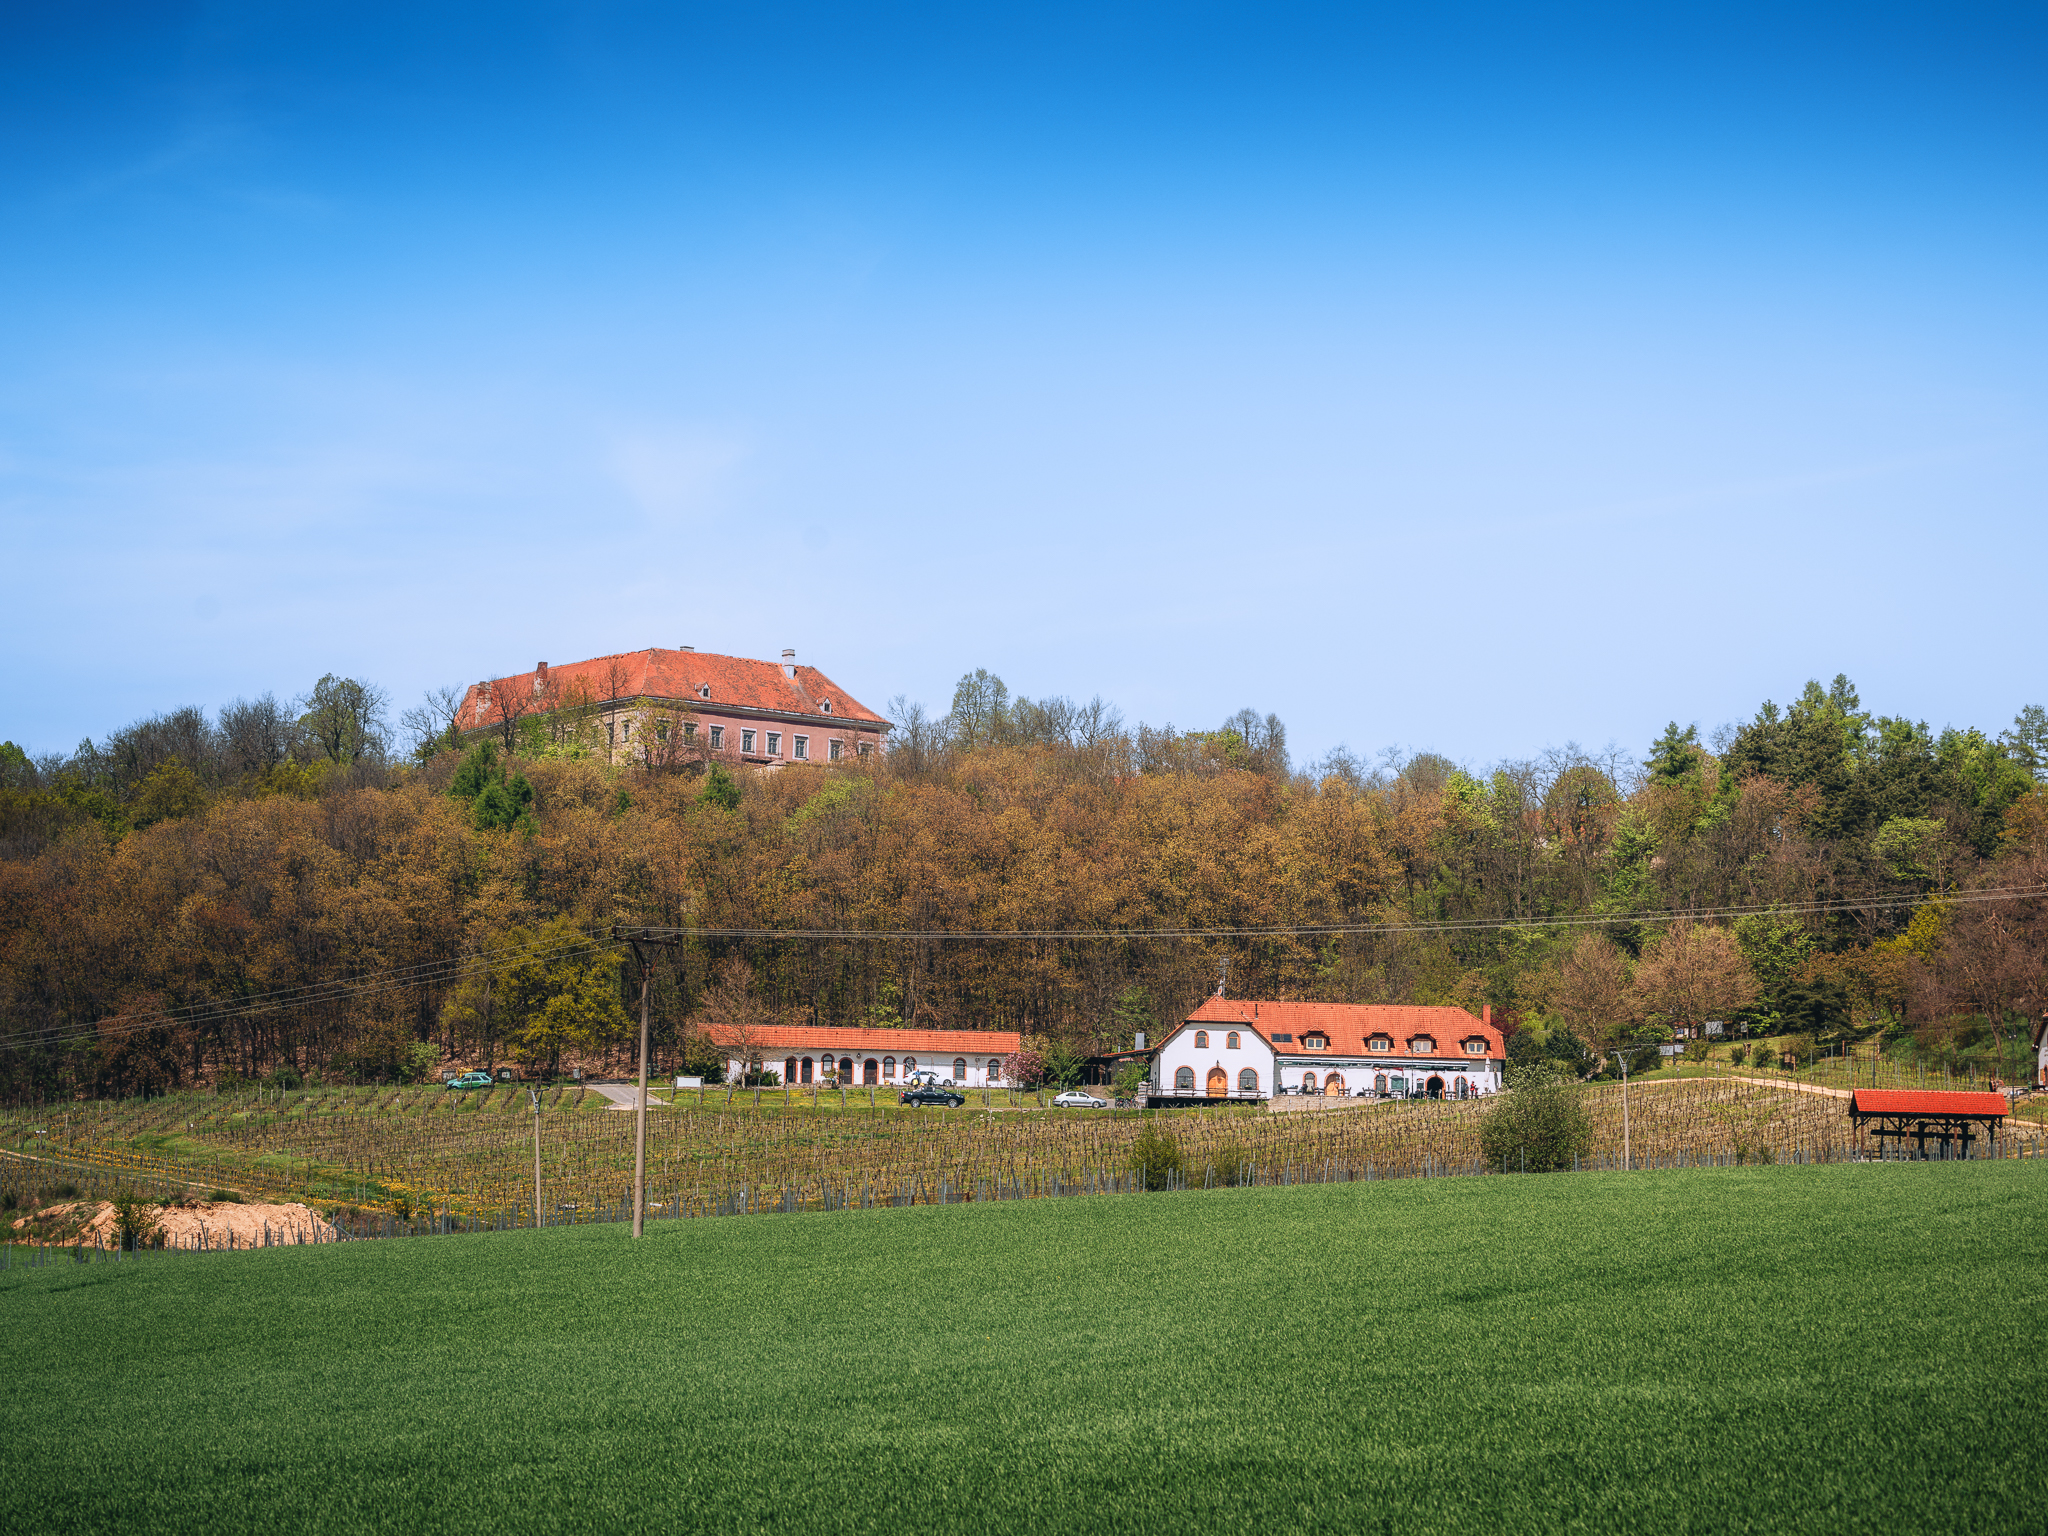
{"x":853,"y":1058}
{"x":684,"y":705}
{"x":1232,"y":1048}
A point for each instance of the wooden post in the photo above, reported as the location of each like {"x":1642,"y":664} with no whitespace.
{"x":536,"y":1155}
{"x":640,"y":1107}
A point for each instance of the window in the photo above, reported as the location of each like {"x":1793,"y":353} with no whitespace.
{"x":626,"y":731}
{"x":1315,"y":1042}
{"x":703,"y":690}
{"x":1397,"y":1085}
{"x":1379,"y":1082}
{"x":888,"y":1066}
{"x":803,"y":748}
{"x":1475,"y":1047}
{"x":1283,"y":1039}
{"x":1230,"y":1041}
{"x":863,"y":749}
{"x":825,"y":708}
{"x":775,"y":743}
{"x":661,"y":730}
{"x":909,"y":1065}
{"x":1184,"y":1080}
{"x":959,"y":1069}
{"x":1247,"y":1081}
{"x":1421,"y":1045}
{"x":1201,"y":1039}
{"x":1308,"y":1082}
{"x":746,"y":741}
{"x":689,"y":730}
{"x":832,"y":750}
{"x":611,"y":733}
{"x":1379,"y":1043}
{"x":717,"y":737}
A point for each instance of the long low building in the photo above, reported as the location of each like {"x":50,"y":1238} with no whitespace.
{"x":799,"y":1054}
{"x":1232,"y":1048}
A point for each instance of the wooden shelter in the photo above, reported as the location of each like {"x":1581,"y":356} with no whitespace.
{"x":1947,"y":1120}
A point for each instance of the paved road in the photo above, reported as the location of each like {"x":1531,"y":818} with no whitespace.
{"x":623,"y":1095}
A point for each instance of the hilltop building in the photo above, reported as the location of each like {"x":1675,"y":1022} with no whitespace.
{"x":1254,"y":1049}
{"x":852,"y":1058}
{"x":674,"y":706}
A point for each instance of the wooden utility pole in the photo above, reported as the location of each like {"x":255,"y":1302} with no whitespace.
{"x":640,"y":1105}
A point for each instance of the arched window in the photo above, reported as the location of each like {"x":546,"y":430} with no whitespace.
{"x":1308,"y":1082}
{"x":1230,"y":1042}
{"x":888,"y":1066}
{"x":1379,"y":1082}
{"x":1464,"y":1089}
{"x":959,"y":1069}
{"x":1184,"y":1080}
{"x":867,"y":1071}
{"x":995,"y":1068}
{"x":807,"y":1069}
{"x":1201,"y":1039}
{"x":909,"y":1065}
{"x":1247,"y":1081}
{"x":789,"y":1070}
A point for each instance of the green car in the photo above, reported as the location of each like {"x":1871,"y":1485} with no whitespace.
{"x":471,"y":1080}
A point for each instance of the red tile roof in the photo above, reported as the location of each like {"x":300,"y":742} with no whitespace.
{"x":775,"y":1039}
{"x":736,"y":682}
{"x":1912,"y":1101}
{"x":1350,"y":1025}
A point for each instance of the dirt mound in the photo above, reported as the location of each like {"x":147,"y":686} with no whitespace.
{"x":202,"y":1224}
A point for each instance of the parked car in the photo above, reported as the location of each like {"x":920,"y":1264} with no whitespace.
{"x":471,"y":1080}
{"x":1073,"y":1098}
{"x":927,"y":1094}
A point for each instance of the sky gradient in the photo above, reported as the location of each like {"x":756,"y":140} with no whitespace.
{"x":1472,"y":379}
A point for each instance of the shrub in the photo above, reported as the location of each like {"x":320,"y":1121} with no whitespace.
{"x":136,"y":1221}
{"x":1155,"y":1157}
{"x":1538,"y":1126}
{"x":1738,"y":1054}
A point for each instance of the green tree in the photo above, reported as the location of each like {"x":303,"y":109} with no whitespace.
{"x":539,"y":991}
{"x":1540,"y":1125}
{"x":171,"y":793}
{"x":720,"y":789}
{"x":344,"y":718}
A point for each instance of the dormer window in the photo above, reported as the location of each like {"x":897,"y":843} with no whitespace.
{"x":1475,"y":1046}
{"x":1421,"y":1045}
{"x":1380,"y":1043}
{"x":703,"y":690}
{"x":826,"y":707}
{"x":1315,"y":1042}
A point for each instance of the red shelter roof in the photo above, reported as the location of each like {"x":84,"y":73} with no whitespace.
{"x":1913,"y":1101}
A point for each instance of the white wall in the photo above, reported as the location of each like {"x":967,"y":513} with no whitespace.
{"x":1361,"y":1075}
{"x":977,"y":1075}
{"x":1181,"y":1051}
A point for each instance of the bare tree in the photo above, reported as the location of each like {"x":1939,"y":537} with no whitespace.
{"x":1693,"y":972}
{"x":1589,"y":990}
{"x":430,"y":724}
{"x":738,"y":1013}
{"x":256,"y":735}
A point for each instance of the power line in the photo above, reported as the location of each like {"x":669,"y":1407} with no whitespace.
{"x":429,"y":973}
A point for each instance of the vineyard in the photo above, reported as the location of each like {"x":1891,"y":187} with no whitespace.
{"x":388,"y":1160}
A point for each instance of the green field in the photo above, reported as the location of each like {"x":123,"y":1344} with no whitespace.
{"x":1828,"y":1349}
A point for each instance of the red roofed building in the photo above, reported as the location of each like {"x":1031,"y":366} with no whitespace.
{"x":1947,"y":1120}
{"x":669,"y":707}
{"x":1231,"y":1048}
{"x":799,"y":1054}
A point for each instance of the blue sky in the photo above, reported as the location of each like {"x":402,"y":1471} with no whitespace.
{"x":1463,"y":378}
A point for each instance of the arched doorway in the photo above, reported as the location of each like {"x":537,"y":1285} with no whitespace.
{"x":1333,"y":1086}
{"x":871,"y":1071}
{"x":1436,"y":1087}
{"x":809,"y":1066}
{"x":1219,"y":1083}
{"x":1308,"y":1082}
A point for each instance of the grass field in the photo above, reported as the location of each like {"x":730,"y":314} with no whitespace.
{"x":1828,"y":1349}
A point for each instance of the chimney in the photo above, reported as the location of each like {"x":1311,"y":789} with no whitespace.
{"x":1486,"y":1013}
{"x":686,"y":647}
{"x":1141,"y":1041}
{"x":789,"y":664}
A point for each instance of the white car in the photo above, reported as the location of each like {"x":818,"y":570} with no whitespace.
{"x":1074,"y":1099}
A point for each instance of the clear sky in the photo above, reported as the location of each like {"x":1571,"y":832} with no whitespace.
{"x":1470,"y":378}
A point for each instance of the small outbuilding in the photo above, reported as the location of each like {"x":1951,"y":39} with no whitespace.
{"x":1947,"y":1121}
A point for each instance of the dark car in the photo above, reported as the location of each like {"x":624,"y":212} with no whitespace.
{"x":927,"y":1094}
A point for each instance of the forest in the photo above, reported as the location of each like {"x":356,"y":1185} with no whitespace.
{"x":306,"y":887}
